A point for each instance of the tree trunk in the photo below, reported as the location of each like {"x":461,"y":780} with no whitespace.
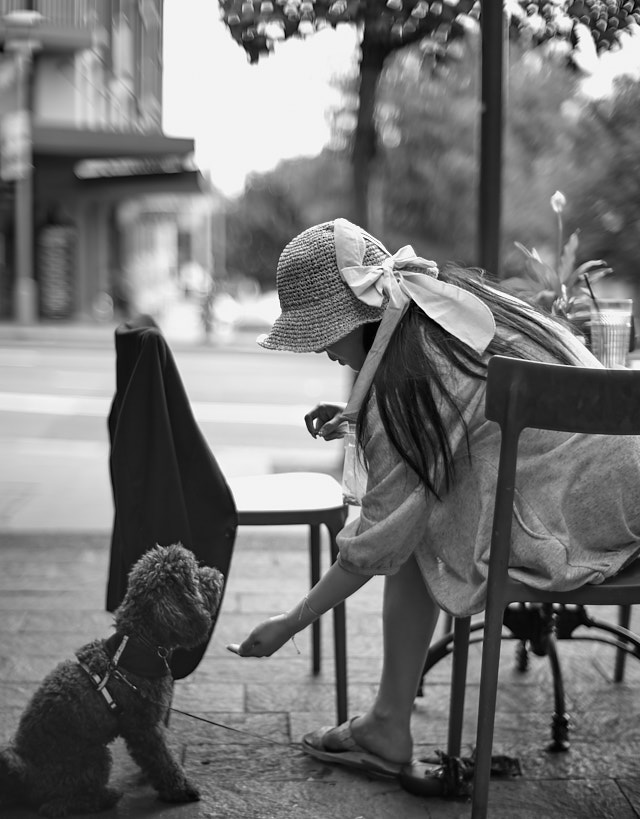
{"x":365,"y":140}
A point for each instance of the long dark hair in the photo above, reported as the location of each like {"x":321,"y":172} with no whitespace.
{"x":409,"y":385}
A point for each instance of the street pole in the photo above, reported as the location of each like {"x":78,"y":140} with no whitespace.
{"x":25,"y":290}
{"x":494,"y":44}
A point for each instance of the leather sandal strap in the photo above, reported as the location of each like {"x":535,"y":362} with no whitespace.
{"x":341,"y":733}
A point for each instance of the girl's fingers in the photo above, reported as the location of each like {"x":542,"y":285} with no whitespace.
{"x":322,"y":414}
{"x":335,"y":428}
{"x":245,"y":649}
{"x":309,"y":423}
{"x":314,"y":421}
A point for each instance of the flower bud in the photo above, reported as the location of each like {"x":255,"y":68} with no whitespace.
{"x":558,"y":201}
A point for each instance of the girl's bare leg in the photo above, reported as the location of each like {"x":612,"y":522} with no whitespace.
{"x":409,"y":618}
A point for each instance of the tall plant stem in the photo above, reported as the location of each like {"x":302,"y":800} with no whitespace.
{"x":560,"y":242}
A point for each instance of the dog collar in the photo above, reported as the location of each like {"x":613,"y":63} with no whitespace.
{"x":101,"y":682}
{"x":137,"y":657}
{"x":130,"y":655}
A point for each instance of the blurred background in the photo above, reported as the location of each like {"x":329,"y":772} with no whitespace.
{"x":157,"y":156}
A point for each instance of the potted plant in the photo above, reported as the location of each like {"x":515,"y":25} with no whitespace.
{"x":566,"y":289}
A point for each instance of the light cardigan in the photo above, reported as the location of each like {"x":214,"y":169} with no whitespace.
{"x":576,"y":511}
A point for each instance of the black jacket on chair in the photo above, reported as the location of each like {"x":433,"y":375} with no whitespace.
{"x":167,"y":486}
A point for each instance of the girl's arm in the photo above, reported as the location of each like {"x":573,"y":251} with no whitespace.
{"x":332,"y":589}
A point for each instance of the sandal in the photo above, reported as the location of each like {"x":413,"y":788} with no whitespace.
{"x":338,"y":747}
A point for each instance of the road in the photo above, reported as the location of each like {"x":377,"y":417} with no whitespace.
{"x":54,"y":403}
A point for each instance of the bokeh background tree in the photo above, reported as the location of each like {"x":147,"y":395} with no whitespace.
{"x":555,"y":138}
{"x":389,"y":25}
{"x":602,"y":179}
{"x":428,"y":125}
{"x":424,"y":190}
{"x":258,"y":225}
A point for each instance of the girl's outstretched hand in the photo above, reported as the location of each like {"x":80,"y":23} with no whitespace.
{"x":266,"y":638}
{"x":325,"y":419}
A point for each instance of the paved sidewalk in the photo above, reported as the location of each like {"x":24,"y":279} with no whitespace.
{"x":51,"y":602}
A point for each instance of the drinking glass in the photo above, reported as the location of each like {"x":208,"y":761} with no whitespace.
{"x":611,"y":331}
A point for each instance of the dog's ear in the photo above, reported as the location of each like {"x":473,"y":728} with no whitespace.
{"x":211,"y":586}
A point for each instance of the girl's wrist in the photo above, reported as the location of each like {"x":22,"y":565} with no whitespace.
{"x":301,"y":616}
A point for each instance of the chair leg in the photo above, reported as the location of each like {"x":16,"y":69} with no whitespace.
{"x":624,"y":620}
{"x":340,"y":643}
{"x":560,"y":720}
{"x":486,"y":708}
{"x":314,"y":554}
{"x":339,"y":636}
{"x":462,"y":628}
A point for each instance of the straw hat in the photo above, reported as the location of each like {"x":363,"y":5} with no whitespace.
{"x":317,"y":305}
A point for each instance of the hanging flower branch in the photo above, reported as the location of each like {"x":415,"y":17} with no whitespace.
{"x":257,"y":25}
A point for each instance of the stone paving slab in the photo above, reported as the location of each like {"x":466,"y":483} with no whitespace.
{"x":51,"y":598}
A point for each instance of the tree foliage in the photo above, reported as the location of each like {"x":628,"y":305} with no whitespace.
{"x":427,"y":120}
{"x":388,"y":25}
{"x":427,"y":116}
{"x":541,"y":115}
{"x":257,"y":25}
{"x":259,"y":225}
{"x":603,"y":179}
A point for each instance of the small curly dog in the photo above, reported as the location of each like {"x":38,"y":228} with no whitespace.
{"x":59,"y":761}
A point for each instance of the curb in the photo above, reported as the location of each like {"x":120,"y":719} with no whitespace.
{"x":100,"y":336}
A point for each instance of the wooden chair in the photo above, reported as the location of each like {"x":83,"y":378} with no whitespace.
{"x":314,"y":499}
{"x":523,"y":394}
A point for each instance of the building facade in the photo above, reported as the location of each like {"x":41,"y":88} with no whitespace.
{"x":80,"y":135}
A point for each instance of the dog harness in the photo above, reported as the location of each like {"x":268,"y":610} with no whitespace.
{"x":128,"y":655}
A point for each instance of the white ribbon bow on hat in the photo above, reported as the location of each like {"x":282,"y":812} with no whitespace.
{"x":456,"y":310}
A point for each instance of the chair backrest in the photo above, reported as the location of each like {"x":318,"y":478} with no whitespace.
{"x":523,"y":394}
{"x":555,"y":396}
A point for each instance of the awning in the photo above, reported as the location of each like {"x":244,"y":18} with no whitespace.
{"x":116,"y":188}
{"x":44,"y":34}
{"x":116,"y":165}
{"x":89,"y":144}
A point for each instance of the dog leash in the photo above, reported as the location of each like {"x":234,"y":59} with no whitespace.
{"x":113,"y":671}
{"x":288,"y":745}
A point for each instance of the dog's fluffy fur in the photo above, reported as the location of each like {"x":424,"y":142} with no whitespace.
{"x":59,"y":761}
